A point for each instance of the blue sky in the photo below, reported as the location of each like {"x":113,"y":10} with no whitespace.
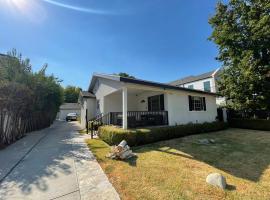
{"x":159,"y":40}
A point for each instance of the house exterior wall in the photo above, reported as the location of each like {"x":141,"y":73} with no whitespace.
{"x":198,"y":85}
{"x":63,"y":113}
{"x":88,"y":104}
{"x":102,"y":88}
{"x":113,"y":102}
{"x":144,"y":96}
{"x":178,"y":109}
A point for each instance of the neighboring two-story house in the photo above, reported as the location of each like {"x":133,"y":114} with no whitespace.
{"x":205,"y":82}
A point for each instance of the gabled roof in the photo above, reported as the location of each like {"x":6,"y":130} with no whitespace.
{"x":142,"y":82}
{"x":87,"y":94}
{"x":190,"y":79}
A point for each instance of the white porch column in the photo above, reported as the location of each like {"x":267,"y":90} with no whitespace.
{"x":124,"y":109}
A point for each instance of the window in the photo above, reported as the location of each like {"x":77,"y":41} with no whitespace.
{"x":156,"y":103}
{"x":196,"y":103}
{"x":190,"y":86}
{"x":206,"y":86}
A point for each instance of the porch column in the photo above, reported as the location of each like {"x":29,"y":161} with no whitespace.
{"x":124,"y":109}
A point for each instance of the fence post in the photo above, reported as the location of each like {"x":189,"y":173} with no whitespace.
{"x":86,"y":121}
{"x":92,"y":129}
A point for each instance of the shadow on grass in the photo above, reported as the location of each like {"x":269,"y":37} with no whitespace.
{"x":241,"y":153}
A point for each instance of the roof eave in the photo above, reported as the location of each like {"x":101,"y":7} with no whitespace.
{"x":164,"y":86}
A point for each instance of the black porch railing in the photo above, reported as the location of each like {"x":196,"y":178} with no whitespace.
{"x":135,"y":119}
{"x":140,"y":118}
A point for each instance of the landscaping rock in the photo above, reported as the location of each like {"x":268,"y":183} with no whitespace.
{"x":216,"y":179}
{"x":206,"y":141}
{"x":203,"y":141}
{"x":212,"y":141}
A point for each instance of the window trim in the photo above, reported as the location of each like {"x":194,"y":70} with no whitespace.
{"x":160,"y":102}
{"x":192,"y":104}
{"x":191,"y":86}
{"x":204,"y":88}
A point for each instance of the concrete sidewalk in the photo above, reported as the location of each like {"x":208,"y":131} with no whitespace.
{"x":54,"y":163}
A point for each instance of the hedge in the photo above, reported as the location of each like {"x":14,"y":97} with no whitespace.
{"x":114,"y":135}
{"x":256,"y":124}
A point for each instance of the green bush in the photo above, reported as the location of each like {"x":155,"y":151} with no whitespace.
{"x":256,"y":124}
{"x":114,"y":135}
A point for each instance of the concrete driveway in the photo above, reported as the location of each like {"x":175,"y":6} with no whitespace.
{"x":54,"y":163}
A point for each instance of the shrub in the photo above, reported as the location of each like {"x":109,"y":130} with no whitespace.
{"x":114,"y":135}
{"x":256,"y":124}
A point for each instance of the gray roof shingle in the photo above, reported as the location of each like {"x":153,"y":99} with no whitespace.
{"x":190,"y":79}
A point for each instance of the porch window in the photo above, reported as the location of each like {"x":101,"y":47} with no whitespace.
{"x":196,"y":103}
{"x":156,"y":103}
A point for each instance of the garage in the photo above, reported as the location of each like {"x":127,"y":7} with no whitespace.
{"x":68,"y":108}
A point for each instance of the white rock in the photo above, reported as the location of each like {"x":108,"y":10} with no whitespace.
{"x":203,"y":141}
{"x":122,"y":144}
{"x":212,"y":141}
{"x":216,"y":179}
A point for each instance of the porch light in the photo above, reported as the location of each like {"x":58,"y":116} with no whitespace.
{"x":143,"y":101}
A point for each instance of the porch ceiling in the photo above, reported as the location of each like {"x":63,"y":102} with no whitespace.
{"x":133,"y":91}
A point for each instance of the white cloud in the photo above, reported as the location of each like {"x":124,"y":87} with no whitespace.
{"x":80,"y":9}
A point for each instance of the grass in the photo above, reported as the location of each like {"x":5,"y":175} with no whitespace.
{"x":177,"y":169}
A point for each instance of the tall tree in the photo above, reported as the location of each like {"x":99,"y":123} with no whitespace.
{"x":71,"y":94}
{"x":241,"y":29}
{"x":28,"y":101}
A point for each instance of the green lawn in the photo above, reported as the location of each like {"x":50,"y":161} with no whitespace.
{"x":177,"y":169}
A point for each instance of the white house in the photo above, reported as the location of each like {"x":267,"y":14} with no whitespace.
{"x":87,"y":102}
{"x":133,"y":102}
{"x":206,"y":82}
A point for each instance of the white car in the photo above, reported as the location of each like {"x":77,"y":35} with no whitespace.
{"x":71,"y":117}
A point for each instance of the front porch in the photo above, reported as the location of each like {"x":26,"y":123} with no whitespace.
{"x":137,"y":118}
{"x":131,"y":107}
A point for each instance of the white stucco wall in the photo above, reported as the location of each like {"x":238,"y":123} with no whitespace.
{"x":113,"y":102}
{"x":102,"y":88}
{"x":178,"y":108}
{"x":144,"y":96}
{"x":63,"y":113}
{"x":90,"y":105}
{"x":199,"y":84}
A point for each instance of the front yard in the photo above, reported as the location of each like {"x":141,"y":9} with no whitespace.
{"x":177,"y":169}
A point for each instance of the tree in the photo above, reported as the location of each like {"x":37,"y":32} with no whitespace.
{"x":71,"y":94}
{"x":123,"y":74}
{"x":28,"y":101}
{"x":241,"y":29}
